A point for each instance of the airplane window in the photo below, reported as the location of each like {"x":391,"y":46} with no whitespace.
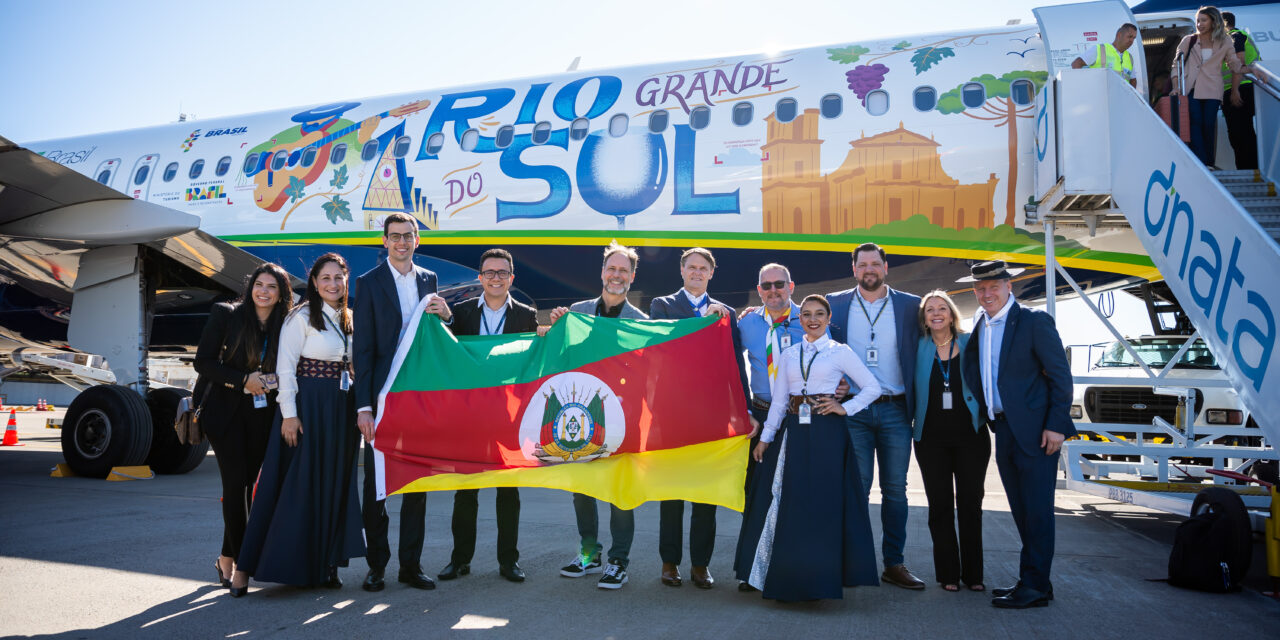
{"x":338,"y":154}
{"x":308,"y":156}
{"x":742,"y":113}
{"x":578,"y":128}
{"x":278,"y":160}
{"x":506,"y":134}
{"x":224,"y":164}
{"x":618,"y":125}
{"x":197,"y":168}
{"x":786,"y":110}
{"x":369,"y":151}
{"x":250,"y":163}
{"x":105,"y":176}
{"x":541,"y":132}
{"x":925,"y":98}
{"x":435,"y":143}
{"x":973,"y":95}
{"x":658,"y":121}
{"x":470,"y":138}
{"x":699,"y":118}
{"x":878,"y":102}
{"x":141,"y":176}
{"x":1023,"y":92}
{"x":831,"y":105}
{"x":172,"y":170}
{"x":401,"y":148}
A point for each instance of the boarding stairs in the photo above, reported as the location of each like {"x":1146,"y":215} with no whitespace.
{"x":1106,"y":162}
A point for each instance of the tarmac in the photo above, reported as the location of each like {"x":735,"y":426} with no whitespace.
{"x":86,"y":558}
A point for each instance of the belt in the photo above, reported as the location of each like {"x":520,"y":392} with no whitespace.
{"x":759,"y":403}
{"x":890,"y":398}
{"x":811,"y":400}
{"x":312,"y":368}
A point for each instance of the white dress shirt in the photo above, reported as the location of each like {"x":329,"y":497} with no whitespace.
{"x":492,"y":322}
{"x":407,"y":292}
{"x":832,"y":363}
{"x":298,"y":339}
{"x":989,"y":345}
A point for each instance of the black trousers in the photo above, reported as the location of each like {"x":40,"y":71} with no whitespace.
{"x":1244,"y":140}
{"x":702,"y":532}
{"x":465,"y":507}
{"x":413,"y":512}
{"x":239,"y":447}
{"x":953,"y":483}
{"x":759,"y":415}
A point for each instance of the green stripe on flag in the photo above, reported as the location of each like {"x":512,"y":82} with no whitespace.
{"x":439,"y":361}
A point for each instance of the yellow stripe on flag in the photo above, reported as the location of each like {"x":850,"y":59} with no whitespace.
{"x":711,"y":473}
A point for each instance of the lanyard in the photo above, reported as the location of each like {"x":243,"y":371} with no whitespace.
{"x":262,"y":355}
{"x":945,"y":369}
{"x":340,"y":334}
{"x":489,"y":331}
{"x":868,"y":316}
{"x":804,"y":372}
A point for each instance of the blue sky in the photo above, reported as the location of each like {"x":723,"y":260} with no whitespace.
{"x":73,"y":68}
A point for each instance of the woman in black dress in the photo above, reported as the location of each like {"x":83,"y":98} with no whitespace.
{"x":236,"y":360}
{"x":305,"y":521}
{"x":952,"y":446}
{"x":805,"y":531}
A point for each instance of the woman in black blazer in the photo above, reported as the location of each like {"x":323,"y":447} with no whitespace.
{"x":236,"y":362}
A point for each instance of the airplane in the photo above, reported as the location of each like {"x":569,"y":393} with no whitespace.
{"x":115,"y":245}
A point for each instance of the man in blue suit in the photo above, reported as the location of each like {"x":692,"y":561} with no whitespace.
{"x":1023,"y":384}
{"x":880,"y":325}
{"x":386,"y":297}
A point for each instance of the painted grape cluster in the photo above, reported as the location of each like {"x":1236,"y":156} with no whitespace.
{"x":864,"y":79}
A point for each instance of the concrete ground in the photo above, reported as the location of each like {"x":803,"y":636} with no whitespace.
{"x":82,"y":558}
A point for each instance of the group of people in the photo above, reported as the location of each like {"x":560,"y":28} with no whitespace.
{"x":1209,"y":68}
{"x":837,"y":384}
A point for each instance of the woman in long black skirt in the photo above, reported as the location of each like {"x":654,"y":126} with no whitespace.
{"x":805,"y":531}
{"x":305,"y":521}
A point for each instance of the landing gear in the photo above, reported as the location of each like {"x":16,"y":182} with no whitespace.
{"x":106,"y":426}
{"x":167,"y":454}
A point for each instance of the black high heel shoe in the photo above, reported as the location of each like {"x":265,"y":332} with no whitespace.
{"x":333,"y":581}
{"x":224,"y":581}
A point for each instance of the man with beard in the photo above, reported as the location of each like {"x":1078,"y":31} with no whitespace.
{"x":880,"y":325}
{"x":617,"y":274}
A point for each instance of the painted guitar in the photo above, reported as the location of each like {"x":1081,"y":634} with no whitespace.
{"x":270,"y":185}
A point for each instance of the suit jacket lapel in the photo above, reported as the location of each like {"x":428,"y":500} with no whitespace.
{"x":684,"y":306}
{"x":1006,"y":341}
{"x":421,"y":275}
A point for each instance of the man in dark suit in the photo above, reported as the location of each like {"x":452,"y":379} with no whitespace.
{"x":697,"y":266}
{"x":881,"y":326}
{"x":386,"y":297}
{"x":1025,"y":396}
{"x":493,"y":313}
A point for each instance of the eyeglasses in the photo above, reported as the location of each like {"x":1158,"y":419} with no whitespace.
{"x":401,"y":237}
{"x":776,"y":284}
{"x":501,"y":274}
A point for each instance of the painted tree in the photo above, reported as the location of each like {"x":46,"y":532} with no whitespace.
{"x":999,"y":109}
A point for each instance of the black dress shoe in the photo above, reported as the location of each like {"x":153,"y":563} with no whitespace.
{"x":453,"y":570}
{"x":373,"y":581}
{"x":512,"y":572}
{"x":1023,"y":597}
{"x":743,"y":586}
{"x":1005,"y":591}
{"x":333,"y":581}
{"x":417,"y":579}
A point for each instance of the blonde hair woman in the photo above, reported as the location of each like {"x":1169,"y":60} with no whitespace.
{"x":1202,"y":55}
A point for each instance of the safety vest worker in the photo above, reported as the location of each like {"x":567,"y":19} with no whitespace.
{"x":1114,"y":56}
{"x":1250,"y":55}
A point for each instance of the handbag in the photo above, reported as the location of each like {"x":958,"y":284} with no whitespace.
{"x":186,"y":423}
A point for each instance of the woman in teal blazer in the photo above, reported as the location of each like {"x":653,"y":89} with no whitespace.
{"x":952,"y":447}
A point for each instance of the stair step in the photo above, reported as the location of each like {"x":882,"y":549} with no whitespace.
{"x":1238,"y":175}
{"x":1260,"y":205}
{"x":1251,"y":189}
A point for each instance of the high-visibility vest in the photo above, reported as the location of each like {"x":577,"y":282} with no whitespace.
{"x":1250,"y":56}
{"x":1109,"y":57}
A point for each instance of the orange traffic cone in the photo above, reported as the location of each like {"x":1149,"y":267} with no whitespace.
{"x":11,"y":430}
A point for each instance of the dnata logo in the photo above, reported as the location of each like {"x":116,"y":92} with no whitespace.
{"x":1216,"y":289}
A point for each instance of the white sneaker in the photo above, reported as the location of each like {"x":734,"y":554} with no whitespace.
{"x":614,"y":576}
{"x":581,"y":566}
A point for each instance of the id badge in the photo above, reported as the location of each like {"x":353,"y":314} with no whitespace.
{"x":785,"y":342}
{"x":806,"y":413}
{"x":344,"y":383}
{"x":946,"y":400}
{"x":873,"y":357}
{"x":260,"y":401}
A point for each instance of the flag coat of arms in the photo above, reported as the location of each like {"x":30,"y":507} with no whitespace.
{"x":626,"y":411}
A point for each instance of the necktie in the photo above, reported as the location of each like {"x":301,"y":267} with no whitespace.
{"x":773,"y":342}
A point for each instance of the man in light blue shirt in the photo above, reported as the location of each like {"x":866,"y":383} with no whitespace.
{"x":882,"y":327}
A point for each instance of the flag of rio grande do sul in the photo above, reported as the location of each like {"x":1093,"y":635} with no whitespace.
{"x":626,"y":411}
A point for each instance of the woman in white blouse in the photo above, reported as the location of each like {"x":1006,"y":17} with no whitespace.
{"x":805,"y":531}
{"x":305,"y":521}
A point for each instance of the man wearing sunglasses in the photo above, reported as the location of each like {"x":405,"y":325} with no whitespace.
{"x":493,"y":313}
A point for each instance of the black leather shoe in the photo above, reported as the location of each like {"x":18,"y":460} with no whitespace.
{"x":742,"y":586}
{"x":1023,"y":597}
{"x":1005,"y":591}
{"x":237,"y":592}
{"x":417,"y":579}
{"x":453,"y":570}
{"x":512,"y":572}
{"x":374,"y":581}
{"x":333,"y":581}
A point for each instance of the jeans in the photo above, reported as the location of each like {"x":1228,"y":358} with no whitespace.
{"x":882,"y":432}
{"x":1204,"y":129}
{"x":622,"y":528}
